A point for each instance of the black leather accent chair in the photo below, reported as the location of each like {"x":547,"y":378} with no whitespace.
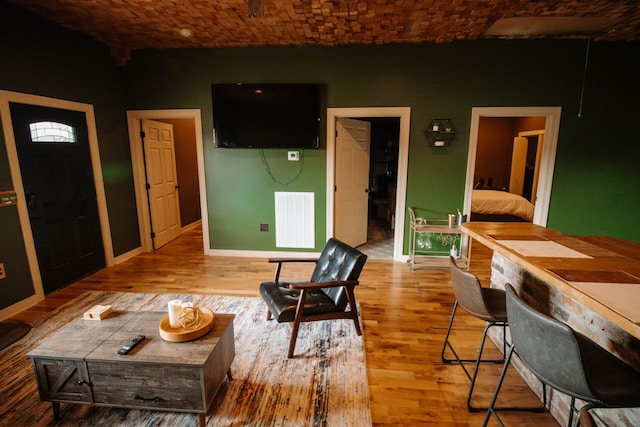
{"x":486,"y":304}
{"x":567,"y":361}
{"x":327,"y":295}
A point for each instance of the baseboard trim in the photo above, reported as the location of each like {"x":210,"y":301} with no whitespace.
{"x":259,"y":254}
{"x":128,"y":255}
{"x":16,"y":308}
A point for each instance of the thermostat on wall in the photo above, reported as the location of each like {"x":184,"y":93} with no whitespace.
{"x":294,"y":156}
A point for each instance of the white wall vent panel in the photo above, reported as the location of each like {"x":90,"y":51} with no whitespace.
{"x":295,"y":220}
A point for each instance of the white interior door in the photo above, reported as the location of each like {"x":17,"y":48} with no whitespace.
{"x":536,"y":172}
{"x":518,"y":165}
{"x":162,"y":181}
{"x":353,"y":140}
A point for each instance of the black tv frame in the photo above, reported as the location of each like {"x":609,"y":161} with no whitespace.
{"x":268,"y":115}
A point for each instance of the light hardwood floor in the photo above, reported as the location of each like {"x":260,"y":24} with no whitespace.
{"x":405,"y":316}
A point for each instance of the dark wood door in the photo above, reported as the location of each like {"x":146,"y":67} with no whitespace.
{"x":55,"y":163}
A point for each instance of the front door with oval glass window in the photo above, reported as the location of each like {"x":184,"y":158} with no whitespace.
{"x":55,"y":164}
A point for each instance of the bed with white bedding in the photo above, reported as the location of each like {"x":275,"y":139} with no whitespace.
{"x":493,"y":205}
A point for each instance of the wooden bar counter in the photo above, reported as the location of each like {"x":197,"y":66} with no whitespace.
{"x":610,"y":259}
{"x":592,"y":283}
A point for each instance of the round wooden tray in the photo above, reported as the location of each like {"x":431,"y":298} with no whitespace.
{"x":181,"y":334}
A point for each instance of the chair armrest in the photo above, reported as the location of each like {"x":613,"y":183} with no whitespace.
{"x":319,"y":285}
{"x":280,"y":261}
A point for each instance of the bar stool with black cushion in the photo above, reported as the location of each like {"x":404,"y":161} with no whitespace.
{"x":567,"y":361}
{"x":486,"y":304}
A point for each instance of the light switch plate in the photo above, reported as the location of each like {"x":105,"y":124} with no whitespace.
{"x":293,"y":156}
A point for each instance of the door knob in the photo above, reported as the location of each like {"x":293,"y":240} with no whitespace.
{"x":31,"y":201}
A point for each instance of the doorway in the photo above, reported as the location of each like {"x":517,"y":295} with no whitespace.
{"x":53,"y":152}
{"x":383,"y":176}
{"x":551,"y":117}
{"x":178,"y":118}
{"x":90,"y":157}
{"x":403,"y":115}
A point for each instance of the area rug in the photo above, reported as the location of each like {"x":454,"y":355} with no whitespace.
{"x":12,"y":332}
{"x":324,"y":385}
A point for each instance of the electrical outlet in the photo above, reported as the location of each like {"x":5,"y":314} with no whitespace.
{"x":293,"y":156}
{"x":264,"y":227}
{"x":3,"y":273}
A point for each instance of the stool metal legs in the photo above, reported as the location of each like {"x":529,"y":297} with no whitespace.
{"x":506,"y":356}
{"x":477,"y":361}
{"x":491,"y":410}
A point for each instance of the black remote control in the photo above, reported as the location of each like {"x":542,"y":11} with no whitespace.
{"x":131,"y":344}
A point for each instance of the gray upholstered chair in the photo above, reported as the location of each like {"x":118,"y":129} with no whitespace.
{"x":483,"y":303}
{"x":329,"y":294}
{"x":567,"y":361}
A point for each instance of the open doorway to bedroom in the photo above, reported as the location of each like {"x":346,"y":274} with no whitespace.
{"x":507,"y":168}
{"x":511,"y":159}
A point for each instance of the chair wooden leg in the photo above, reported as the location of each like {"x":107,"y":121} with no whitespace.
{"x":294,"y":337}
{"x":356,"y":322}
{"x":296,"y":322}
{"x":354,"y":310}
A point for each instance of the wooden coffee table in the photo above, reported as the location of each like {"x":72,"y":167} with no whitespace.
{"x":81,"y":364}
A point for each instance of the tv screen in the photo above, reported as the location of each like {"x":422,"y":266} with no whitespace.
{"x":266,"y":115}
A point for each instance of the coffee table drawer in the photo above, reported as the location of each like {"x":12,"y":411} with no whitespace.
{"x":147,"y":386}
{"x":62,"y":380}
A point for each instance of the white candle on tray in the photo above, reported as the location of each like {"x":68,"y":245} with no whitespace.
{"x":175,"y":308}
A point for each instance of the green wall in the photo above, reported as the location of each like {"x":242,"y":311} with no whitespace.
{"x":596,"y":168}
{"x":43,"y":59}
{"x":241,"y":194}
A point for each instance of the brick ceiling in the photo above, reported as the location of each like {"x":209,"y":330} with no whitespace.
{"x":128,"y":25}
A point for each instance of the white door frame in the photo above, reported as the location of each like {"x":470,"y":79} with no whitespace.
{"x":404,"y":113}
{"x":548,"y":160}
{"x":137,"y":161}
{"x":16,"y":176}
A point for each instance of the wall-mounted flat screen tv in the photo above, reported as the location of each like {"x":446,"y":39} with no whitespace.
{"x":273,"y":115}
